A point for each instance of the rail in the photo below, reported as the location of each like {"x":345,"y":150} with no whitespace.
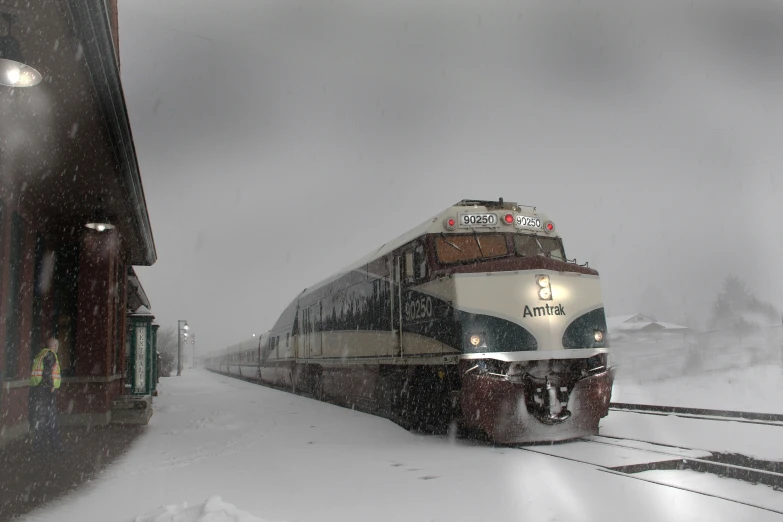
{"x":698,"y":412}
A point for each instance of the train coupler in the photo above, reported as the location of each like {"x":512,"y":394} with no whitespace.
{"x":545,"y":400}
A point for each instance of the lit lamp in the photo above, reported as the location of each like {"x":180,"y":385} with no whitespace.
{"x":182,"y":325}
{"x":99,"y":222}
{"x":13,"y":71}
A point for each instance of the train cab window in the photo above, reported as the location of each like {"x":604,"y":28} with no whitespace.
{"x":530,"y":246}
{"x":459,"y":249}
{"x":415,"y":264}
{"x":409,"y":268}
{"x":420,"y":261}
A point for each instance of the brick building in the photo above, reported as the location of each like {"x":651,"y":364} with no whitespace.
{"x":67,"y":159}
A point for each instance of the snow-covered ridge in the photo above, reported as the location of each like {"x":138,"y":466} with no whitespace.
{"x":213,"y":510}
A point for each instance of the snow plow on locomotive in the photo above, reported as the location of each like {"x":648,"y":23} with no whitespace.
{"x":475,"y":317}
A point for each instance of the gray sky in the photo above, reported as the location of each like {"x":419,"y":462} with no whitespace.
{"x":280,"y":141}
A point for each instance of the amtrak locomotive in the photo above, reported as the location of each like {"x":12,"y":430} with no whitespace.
{"x":475,"y":318}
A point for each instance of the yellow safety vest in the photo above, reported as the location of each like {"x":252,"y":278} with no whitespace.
{"x":37,"y":375}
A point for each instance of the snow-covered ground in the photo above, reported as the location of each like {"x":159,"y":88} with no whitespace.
{"x":277,"y":456}
{"x":758,"y":388}
{"x":213,"y":510}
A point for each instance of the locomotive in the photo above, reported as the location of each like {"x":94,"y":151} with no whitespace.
{"x":475,"y":319}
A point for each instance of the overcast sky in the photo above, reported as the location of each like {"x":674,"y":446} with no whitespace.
{"x":280,"y":141}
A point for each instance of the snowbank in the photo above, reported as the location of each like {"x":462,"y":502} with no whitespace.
{"x":646,"y":360}
{"x":758,"y":388}
{"x":213,"y":510}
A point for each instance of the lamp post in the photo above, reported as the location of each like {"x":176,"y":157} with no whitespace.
{"x":180,"y":328}
{"x":193,"y":346}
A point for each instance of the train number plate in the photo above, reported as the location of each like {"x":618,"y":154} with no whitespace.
{"x":478,"y":220}
{"x":528,"y":222}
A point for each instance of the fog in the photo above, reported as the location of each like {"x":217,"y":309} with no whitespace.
{"x":280,"y":141}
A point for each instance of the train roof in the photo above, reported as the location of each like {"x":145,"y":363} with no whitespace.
{"x":250,"y":343}
{"x":434,"y":225}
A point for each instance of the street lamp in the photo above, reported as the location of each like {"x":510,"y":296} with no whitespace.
{"x":193,"y":346}
{"x":13,"y":71}
{"x":99,"y":222}
{"x":180,"y":329}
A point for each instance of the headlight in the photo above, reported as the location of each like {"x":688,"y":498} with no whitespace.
{"x":598,"y":335}
{"x":475,"y":340}
{"x":544,"y":287}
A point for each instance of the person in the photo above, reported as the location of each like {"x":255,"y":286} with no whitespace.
{"x":44,"y":381}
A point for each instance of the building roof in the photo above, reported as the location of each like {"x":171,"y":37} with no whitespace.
{"x":142,"y":310}
{"x":92,"y":27}
{"x":639,"y":322}
{"x":137,"y":297}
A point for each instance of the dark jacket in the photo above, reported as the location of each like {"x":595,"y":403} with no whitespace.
{"x":43,"y":403}
{"x":49,"y":361}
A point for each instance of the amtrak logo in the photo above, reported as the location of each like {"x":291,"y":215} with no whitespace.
{"x":540,"y":311}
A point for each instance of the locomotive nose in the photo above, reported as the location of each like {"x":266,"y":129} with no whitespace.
{"x":540,"y":310}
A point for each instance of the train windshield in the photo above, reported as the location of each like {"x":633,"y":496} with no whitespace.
{"x":459,"y":249}
{"x":529,"y":246}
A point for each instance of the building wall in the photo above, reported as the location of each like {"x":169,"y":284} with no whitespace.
{"x":93,"y":360}
{"x":84,"y":306}
{"x":87,"y":402}
{"x":16,"y":314}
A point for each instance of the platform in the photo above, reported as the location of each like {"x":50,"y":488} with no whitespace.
{"x":30,"y":480}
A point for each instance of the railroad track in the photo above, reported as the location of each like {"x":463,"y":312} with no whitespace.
{"x":662,"y":457}
{"x":773,"y":419}
{"x":665,"y":457}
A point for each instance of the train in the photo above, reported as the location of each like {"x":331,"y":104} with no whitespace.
{"x":474,"y":321}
